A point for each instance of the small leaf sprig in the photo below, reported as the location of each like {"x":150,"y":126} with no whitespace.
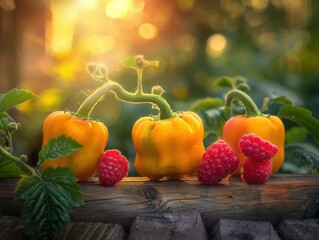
{"x":8,"y":126}
{"x":50,"y":195}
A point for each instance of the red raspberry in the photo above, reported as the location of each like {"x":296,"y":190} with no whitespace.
{"x":256,"y":172}
{"x":257,"y":148}
{"x":217,"y":163}
{"x":112,"y":167}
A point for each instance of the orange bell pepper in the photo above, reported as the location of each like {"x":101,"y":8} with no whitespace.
{"x":268,"y":127}
{"x":92,"y":135}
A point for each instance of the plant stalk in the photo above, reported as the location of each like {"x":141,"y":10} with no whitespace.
{"x":251,"y":107}
{"x":25,"y":168}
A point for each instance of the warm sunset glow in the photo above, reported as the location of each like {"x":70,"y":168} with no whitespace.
{"x":147,"y":31}
{"x":118,"y":8}
{"x":49,"y":99}
{"x":99,"y":45}
{"x":216,"y":45}
{"x":87,"y":4}
{"x":62,"y":26}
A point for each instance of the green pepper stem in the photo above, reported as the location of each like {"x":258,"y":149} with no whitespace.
{"x":251,"y":107}
{"x":25,"y":168}
{"x":139,"y":97}
{"x":139,"y":80}
{"x":90,"y":102}
{"x":121,"y":94}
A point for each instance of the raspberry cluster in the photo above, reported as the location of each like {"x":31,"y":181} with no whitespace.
{"x":112,"y":167}
{"x":257,"y":167}
{"x":219,"y":161}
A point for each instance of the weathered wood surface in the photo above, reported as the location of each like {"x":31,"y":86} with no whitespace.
{"x":306,"y":229}
{"x":12,"y":228}
{"x":284,"y":196}
{"x":240,"y":229}
{"x":183,"y":225}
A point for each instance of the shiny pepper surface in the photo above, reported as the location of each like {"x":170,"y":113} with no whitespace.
{"x":269,"y":128}
{"x":169,"y":148}
{"x":92,"y":135}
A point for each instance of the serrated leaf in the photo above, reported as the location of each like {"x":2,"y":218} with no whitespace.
{"x":8,"y":169}
{"x":207,"y":103}
{"x":14,"y":97}
{"x":59,"y":147}
{"x":303,"y":155}
{"x":129,"y":62}
{"x":303,"y":117}
{"x":48,"y":202}
{"x":225,"y":82}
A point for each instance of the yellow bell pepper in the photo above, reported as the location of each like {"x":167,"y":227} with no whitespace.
{"x":169,"y":148}
{"x":92,"y":135}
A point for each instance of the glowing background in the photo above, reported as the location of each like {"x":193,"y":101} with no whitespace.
{"x":46,"y":44}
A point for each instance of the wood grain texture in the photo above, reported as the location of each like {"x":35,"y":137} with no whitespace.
{"x":239,"y":229}
{"x":12,"y":228}
{"x":284,"y":196}
{"x":306,"y":229}
{"x":182,"y":225}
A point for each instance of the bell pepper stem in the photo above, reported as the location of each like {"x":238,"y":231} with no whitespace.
{"x":139,"y":80}
{"x":121,"y":94}
{"x":25,"y":168}
{"x":90,"y":102}
{"x":251,"y":107}
{"x":164,"y":108}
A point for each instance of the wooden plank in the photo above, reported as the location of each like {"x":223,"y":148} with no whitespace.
{"x":229,"y":229}
{"x":186,"y":225}
{"x":12,"y":228}
{"x":284,"y":196}
{"x":96,"y":231}
{"x":292,"y":229}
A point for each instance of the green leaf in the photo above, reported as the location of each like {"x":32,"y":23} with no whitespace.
{"x":4,"y":121}
{"x":303,"y":117}
{"x":129,"y":62}
{"x":224,"y":82}
{"x":59,"y":147}
{"x":8,"y":169}
{"x":48,"y":202}
{"x":151,"y":64}
{"x":14,"y":97}
{"x":304,"y":156}
{"x":213,"y":121}
{"x":207,"y":104}
{"x":268,"y":101}
{"x":296,"y":134}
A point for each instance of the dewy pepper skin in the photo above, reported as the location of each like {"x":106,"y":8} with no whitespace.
{"x":268,"y":127}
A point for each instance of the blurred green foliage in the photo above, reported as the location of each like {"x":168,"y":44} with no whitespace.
{"x":272,"y":43}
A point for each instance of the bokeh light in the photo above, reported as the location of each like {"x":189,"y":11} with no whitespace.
{"x":216,"y":45}
{"x":147,"y":31}
{"x":118,"y":8}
